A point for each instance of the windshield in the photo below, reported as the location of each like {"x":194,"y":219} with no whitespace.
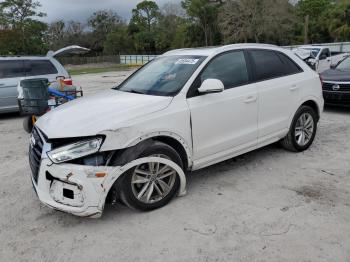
{"x":314,"y":51}
{"x":164,"y":76}
{"x":344,"y":65}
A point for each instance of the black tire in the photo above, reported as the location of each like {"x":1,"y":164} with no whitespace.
{"x":290,"y":142}
{"x":28,"y":124}
{"x":124,"y":187}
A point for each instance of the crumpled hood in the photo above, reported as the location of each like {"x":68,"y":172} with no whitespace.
{"x":91,"y":115}
{"x":336,"y":75}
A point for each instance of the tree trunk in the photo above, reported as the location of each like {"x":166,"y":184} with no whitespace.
{"x":306,"y":30}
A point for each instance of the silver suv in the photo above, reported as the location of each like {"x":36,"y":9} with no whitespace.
{"x":14,"y":69}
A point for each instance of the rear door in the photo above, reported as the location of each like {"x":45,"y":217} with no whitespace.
{"x":278,"y":89}
{"x":11,"y":71}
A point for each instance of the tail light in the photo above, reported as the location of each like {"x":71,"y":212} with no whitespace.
{"x":68,"y":82}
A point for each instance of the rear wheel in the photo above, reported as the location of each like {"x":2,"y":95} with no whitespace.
{"x":151,"y":185}
{"x":302,"y":131}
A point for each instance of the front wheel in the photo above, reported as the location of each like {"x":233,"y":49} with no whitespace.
{"x":151,"y":185}
{"x":302,"y":131}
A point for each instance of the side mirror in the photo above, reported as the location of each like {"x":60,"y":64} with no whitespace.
{"x":333,"y":66}
{"x":211,"y":86}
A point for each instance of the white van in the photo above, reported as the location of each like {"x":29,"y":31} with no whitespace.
{"x":13,"y":69}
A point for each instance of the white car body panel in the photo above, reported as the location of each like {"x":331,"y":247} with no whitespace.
{"x":230,"y":105}
{"x":210,"y":128}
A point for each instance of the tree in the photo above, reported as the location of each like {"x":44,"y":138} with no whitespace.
{"x":145,"y":18}
{"x":18,"y":15}
{"x":204,"y":14}
{"x":310,"y":13}
{"x":256,"y":20}
{"x":56,"y":35}
{"x":167,"y":29}
{"x":337,"y":20}
{"x":103,"y":22}
{"x":118,"y":42}
{"x":145,"y":15}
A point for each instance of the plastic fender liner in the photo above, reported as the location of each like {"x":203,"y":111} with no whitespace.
{"x":120,"y":170}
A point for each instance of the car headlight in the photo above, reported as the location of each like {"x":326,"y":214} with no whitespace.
{"x":76,"y":150}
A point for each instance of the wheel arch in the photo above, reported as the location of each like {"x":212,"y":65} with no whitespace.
{"x":172,"y":139}
{"x":311,"y":103}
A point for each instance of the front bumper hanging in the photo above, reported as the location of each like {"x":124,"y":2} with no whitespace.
{"x":78,"y":189}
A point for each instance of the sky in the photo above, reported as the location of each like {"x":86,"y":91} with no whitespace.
{"x":80,"y":10}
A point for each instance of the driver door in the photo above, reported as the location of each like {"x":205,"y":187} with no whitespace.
{"x":325,"y":61}
{"x":225,"y":122}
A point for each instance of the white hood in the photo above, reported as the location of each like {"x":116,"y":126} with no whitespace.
{"x":91,"y":115}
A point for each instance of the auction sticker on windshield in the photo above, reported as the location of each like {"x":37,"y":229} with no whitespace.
{"x":184,"y":61}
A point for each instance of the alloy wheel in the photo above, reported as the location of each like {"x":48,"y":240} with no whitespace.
{"x":304,"y":129}
{"x":152,"y":181}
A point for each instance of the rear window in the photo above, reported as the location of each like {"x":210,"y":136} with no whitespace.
{"x":40,"y":67}
{"x":270,"y":64}
{"x":11,"y":69}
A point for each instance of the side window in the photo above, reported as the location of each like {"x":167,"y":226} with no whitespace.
{"x":230,"y":68}
{"x":290,"y":67}
{"x":11,"y":68}
{"x":325,"y":54}
{"x":40,"y":67}
{"x":269,"y":64}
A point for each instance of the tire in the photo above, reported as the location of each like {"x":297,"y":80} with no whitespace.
{"x":293,"y":141}
{"x":28,"y":124}
{"x":128,"y":190}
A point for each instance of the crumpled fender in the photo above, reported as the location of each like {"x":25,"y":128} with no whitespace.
{"x":117,"y":172}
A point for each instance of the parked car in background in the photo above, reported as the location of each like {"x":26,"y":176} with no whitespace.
{"x":185,"y":110}
{"x":16,"y":68}
{"x":319,"y":58}
{"x":336,"y":84}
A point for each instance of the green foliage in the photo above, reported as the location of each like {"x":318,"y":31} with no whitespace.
{"x":17,"y":19}
{"x":337,"y":20}
{"x":153,"y":29}
{"x":103,"y":22}
{"x":145,"y":16}
{"x":268,"y":21}
{"x":315,"y":10}
{"x":117,"y":42}
{"x":204,"y":13}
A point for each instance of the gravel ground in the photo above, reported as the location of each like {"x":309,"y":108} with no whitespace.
{"x":267,"y":205}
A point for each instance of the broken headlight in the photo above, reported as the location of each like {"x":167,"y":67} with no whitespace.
{"x":76,"y":150}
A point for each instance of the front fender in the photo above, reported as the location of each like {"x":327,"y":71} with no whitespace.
{"x":127,"y":137}
{"x":117,"y":172}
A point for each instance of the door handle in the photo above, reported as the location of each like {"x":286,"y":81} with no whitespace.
{"x":294,"y":87}
{"x":2,"y":84}
{"x":250,"y":99}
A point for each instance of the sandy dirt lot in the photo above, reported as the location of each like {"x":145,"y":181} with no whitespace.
{"x":267,"y":205}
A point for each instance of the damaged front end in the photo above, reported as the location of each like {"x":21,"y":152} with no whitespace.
{"x":79,"y":185}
